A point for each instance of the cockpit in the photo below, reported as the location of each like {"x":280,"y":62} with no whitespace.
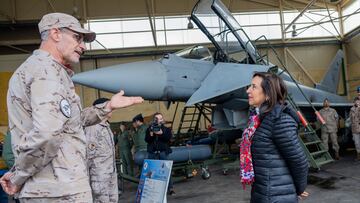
{"x":231,"y":42}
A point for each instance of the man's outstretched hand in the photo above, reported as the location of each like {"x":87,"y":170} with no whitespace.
{"x":7,"y":186}
{"x":119,"y":101}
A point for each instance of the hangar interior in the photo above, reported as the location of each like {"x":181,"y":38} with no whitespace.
{"x":306,"y":35}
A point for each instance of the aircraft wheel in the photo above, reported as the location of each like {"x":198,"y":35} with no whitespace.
{"x":205,"y":173}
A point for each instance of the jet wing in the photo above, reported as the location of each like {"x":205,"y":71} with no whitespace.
{"x":223,"y":79}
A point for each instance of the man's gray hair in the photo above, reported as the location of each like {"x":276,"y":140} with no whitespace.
{"x":44,"y":35}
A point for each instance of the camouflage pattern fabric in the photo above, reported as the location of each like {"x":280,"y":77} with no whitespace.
{"x":101,"y":163}
{"x":82,"y":197}
{"x":355,"y":119}
{"x":330,"y":128}
{"x":331,"y":118}
{"x":46,"y":122}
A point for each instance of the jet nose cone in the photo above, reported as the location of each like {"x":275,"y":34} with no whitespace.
{"x":146,"y":79}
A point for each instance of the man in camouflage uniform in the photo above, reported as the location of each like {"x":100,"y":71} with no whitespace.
{"x":46,"y":118}
{"x":125,"y":150}
{"x":330,"y":128}
{"x":355,"y":125}
{"x":101,"y":160}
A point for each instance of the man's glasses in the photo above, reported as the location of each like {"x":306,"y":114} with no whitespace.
{"x":77,"y":36}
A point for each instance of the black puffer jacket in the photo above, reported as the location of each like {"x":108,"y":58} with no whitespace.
{"x":280,"y":164}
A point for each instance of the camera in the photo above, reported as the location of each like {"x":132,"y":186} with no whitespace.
{"x":155,"y":126}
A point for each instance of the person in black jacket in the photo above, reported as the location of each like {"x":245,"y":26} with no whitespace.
{"x":276,"y":164}
{"x":158,"y":137}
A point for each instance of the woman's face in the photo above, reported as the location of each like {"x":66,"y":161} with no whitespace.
{"x":255,"y":92}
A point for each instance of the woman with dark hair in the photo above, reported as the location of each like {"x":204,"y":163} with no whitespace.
{"x":271,"y":157}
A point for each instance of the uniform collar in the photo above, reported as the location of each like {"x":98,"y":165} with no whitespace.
{"x":43,"y":53}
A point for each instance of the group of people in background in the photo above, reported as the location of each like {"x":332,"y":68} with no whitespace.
{"x":154,"y":138}
{"x":355,"y":123}
{"x":101,"y":153}
{"x":331,"y":126}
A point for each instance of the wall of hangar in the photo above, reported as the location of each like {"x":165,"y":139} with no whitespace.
{"x":353,"y":64}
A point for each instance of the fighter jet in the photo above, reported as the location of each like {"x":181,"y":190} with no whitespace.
{"x":196,"y":75}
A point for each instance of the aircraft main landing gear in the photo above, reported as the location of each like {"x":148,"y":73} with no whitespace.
{"x":205,"y":173}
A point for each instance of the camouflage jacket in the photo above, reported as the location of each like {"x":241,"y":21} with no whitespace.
{"x":101,"y":162}
{"x":46,"y":122}
{"x":331,"y":118}
{"x":355,"y":119}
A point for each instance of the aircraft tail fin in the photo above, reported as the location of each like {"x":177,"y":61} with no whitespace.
{"x":331,"y":79}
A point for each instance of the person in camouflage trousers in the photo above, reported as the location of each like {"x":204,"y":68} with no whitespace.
{"x":355,"y":125}
{"x":330,"y":128}
{"x":101,"y":160}
{"x":46,"y":118}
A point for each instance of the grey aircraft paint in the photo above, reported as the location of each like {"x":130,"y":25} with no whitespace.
{"x":218,"y":79}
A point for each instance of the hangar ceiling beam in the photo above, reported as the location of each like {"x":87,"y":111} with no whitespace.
{"x":300,"y":14}
{"x":17,"y":48}
{"x":344,"y":3}
{"x":338,"y":37}
{"x":266,"y":3}
{"x":282,"y":26}
{"x":327,"y":21}
{"x":151,"y":19}
{"x":331,"y":20}
{"x":318,"y":4}
{"x":351,"y":34}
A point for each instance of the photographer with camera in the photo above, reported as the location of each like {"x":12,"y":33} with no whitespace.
{"x":158,"y":137}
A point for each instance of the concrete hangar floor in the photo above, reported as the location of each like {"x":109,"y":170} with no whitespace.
{"x":337,"y":182}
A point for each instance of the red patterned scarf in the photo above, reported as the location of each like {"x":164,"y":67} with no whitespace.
{"x":246,"y":166}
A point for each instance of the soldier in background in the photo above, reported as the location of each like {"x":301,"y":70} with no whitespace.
{"x":101,"y":160}
{"x":7,"y":153}
{"x":140,"y":132}
{"x":330,"y":128}
{"x":139,"y":137}
{"x":8,"y":157}
{"x":355,"y":125}
{"x":46,"y":118}
{"x":124,"y":146}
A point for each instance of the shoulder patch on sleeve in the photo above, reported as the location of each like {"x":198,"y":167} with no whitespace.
{"x":65,"y":108}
